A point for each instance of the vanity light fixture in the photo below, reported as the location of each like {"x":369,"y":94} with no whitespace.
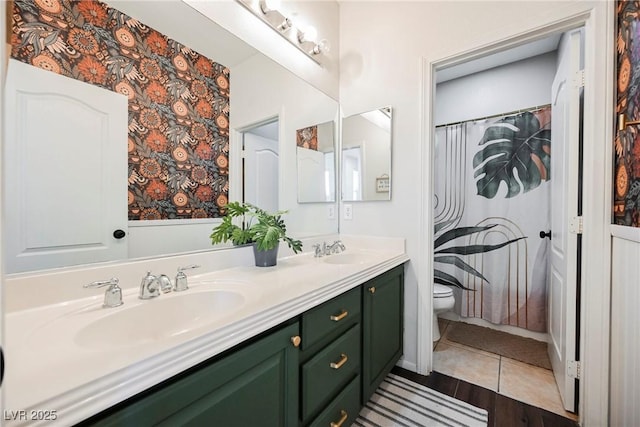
{"x":285,"y":25}
{"x":322,"y":47}
{"x":304,"y":37}
{"x":268,"y":6}
{"x":307,"y":34}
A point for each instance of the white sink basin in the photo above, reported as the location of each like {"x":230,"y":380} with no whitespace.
{"x":158,"y":319}
{"x":348,"y":258}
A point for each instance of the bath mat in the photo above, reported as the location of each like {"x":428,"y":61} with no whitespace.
{"x":525,"y":350}
{"x":400,"y":402}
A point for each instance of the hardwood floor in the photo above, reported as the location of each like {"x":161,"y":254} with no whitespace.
{"x":503,"y":411}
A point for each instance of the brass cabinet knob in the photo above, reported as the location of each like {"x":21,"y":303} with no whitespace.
{"x":343,"y":418}
{"x":372,"y":289}
{"x":296,"y":340}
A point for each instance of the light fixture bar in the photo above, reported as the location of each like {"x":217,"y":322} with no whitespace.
{"x":281,"y":24}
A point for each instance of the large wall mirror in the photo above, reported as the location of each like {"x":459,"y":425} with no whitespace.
{"x":259,"y":90}
{"x":316,"y":160}
{"x":366,"y":155}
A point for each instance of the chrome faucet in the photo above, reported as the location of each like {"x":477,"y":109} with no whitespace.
{"x":165,"y":283}
{"x":113,"y":294}
{"x":320,"y":251}
{"x":324,"y":249}
{"x":336,"y":247}
{"x":151,"y":286}
{"x":181,"y":278}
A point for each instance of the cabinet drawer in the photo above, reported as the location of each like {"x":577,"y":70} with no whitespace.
{"x":345,"y":407}
{"x":334,"y":315}
{"x":329,"y":371}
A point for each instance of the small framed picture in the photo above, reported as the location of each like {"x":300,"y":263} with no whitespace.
{"x":382,"y":184}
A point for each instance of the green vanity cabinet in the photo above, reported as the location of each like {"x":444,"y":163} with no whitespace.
{"x":382,"y":327}
{"x":256,"y":385}
{"x":331,"y":360}
{"x":316,"y":369}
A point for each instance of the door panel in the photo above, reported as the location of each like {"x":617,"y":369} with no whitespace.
{"x":261,"y":172}
{"x":311,"y":167}
{"x":66,"y":162}
{"x":564,"y":199}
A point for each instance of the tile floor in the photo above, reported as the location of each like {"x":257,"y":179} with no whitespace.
{"x":520,"y":381}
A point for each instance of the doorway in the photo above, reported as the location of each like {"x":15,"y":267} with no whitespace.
{"x":260,"y":165}
{"x":482,"y":109}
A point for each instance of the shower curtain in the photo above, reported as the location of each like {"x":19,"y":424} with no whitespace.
{"x":492,"y":199}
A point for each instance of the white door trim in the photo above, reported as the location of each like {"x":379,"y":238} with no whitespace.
{"x":596,"y":261}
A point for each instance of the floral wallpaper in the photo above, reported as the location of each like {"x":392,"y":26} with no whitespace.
{"x":178,"y":99}
{"x":626,"y":208}
{"x":307,"y":137}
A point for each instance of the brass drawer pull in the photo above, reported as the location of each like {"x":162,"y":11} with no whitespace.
{"x":296,"y":340}
{"x":372,"y":289}
{"x":343,"y":418}
{"x":343,"y":360}
{"x":340,"y":316}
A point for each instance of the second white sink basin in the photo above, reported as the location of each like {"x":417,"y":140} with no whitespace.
{"x":157,"y":319}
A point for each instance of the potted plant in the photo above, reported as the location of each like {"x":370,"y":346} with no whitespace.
{"x":259,"y":227}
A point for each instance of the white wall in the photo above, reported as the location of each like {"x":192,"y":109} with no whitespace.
{"x":382,"y":60}
{"x":625,"y":318}
{"x":519,"y":85}
{"x":4,"y":57}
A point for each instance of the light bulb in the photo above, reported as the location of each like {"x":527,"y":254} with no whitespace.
{"x":307,"y":34}
{"x":285,"y":25}
{"x":322,"y":47}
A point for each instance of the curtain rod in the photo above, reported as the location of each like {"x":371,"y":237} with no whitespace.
{"x":510,"y":113}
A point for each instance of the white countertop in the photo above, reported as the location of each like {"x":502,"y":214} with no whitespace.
{"x":48,"y":369}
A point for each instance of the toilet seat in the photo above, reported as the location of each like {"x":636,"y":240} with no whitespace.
{"x":441,"y":291}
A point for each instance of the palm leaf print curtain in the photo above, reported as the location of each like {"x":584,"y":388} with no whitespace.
{"x":492,"y":198}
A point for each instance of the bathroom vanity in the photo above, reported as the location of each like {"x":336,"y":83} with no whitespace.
{"x":317,"y":368}
{"x":303,"y":343}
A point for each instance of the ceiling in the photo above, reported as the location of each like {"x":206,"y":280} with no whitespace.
{"x":529,"y":50}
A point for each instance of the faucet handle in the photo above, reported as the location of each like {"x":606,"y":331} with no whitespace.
{"x":318,"y":250}
{"x":188,"y":267}
{"x":113,"y":294}
{"x":182,"y":283}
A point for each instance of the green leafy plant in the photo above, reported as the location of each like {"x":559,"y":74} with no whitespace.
{"x":257,"y":226}
{"x":514,"y":144}
{"x":452,"y":255}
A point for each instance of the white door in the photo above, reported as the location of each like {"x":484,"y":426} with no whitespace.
{"x":311,"y":175}
{"x":261,"y":172}
{"x":65,"y":181}
{"x":352,"y":173}
{"x":565,"y":122}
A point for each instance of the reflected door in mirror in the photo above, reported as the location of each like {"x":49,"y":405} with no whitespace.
{"x":261,"y":163}
{"x":65,"y":181}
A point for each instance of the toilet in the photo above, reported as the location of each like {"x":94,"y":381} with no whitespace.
{"x":443,"y":301}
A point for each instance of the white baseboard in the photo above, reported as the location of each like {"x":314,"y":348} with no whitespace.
{"x":407,"y":365}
